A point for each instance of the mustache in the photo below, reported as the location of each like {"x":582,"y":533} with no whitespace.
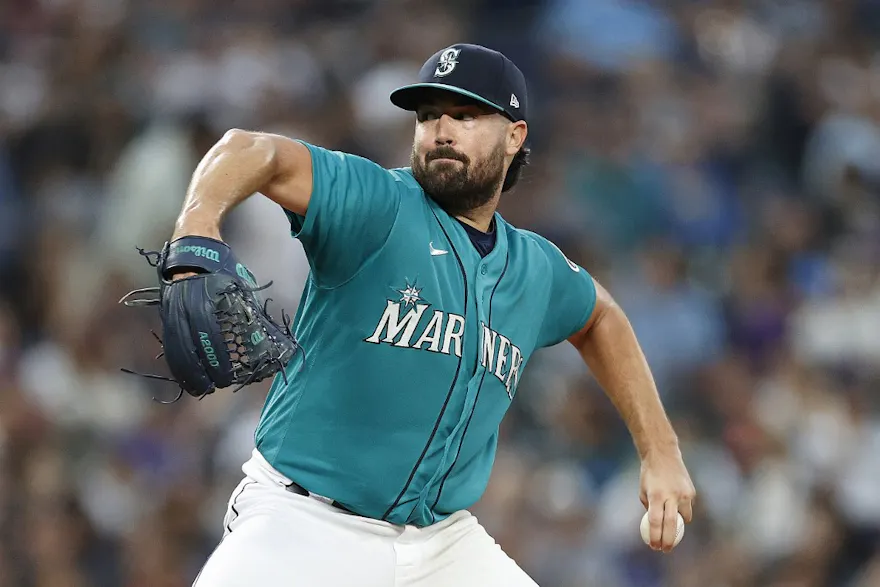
{"x":446,"y":153}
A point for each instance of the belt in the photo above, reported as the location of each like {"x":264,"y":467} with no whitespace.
{"x":300,"y":490}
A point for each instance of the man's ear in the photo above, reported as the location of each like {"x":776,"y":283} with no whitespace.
{"x":516,"y":137}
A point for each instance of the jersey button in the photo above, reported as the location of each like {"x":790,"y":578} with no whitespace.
{"x":483,"y":270}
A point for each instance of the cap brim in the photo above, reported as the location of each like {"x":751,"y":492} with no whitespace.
{"x":411,"y":96}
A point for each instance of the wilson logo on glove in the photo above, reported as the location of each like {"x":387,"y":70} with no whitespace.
{"x":237,"y":342}
{"x":200,"y":252}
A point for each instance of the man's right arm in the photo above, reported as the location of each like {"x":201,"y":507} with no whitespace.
{"x":237,"y":166}
{"x":341,"y":207}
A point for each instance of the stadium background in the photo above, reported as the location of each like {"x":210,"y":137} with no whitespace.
{"x":715,"y":164}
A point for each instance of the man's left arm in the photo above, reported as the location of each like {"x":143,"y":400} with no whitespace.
{"x":609,"y":347}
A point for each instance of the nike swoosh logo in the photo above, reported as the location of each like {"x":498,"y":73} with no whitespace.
{"x":436,"y":252}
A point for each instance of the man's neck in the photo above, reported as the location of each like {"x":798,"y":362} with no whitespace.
{"x":481,"y":218}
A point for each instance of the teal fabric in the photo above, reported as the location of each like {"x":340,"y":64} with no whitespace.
{"x":414,"y":344}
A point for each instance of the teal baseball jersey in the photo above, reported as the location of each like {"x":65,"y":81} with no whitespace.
{"x":414,"y":344}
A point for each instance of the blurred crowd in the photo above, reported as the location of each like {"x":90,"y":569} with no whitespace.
{"x":714,"y":163}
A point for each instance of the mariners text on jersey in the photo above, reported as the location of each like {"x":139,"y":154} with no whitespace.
{"x":442,"y":334}
{"x":414,"y":344}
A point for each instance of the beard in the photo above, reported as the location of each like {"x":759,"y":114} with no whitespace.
{"x":459,"y":187}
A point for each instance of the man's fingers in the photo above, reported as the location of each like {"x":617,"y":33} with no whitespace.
{"x":686,"y":509}
{"x":670,"y":524}
{"x":655,"y":520}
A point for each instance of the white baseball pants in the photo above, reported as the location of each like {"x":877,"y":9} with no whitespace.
{"x":276,"y":538}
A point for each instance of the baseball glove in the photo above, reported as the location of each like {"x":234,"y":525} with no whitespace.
{"x":216,"y":331}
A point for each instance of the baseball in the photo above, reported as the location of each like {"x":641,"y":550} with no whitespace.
{"x":645,"y":528}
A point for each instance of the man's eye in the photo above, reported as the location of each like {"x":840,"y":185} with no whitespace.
{"x":465,"y":116}
{"x":423,"y":116}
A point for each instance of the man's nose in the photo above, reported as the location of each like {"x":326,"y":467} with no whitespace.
{"x":444,"y":131}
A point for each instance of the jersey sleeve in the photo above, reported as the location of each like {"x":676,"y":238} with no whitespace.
{"x":352,"y":210}
{"x":572,"y":296}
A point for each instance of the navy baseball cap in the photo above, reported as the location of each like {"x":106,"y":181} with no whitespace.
{"x":473,"y":71}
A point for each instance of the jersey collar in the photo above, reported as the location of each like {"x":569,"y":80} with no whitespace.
{"x":459,"y":235}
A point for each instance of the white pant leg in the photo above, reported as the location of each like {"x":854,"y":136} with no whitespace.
{"x":457,"y":551}
{"x":275,"y":538}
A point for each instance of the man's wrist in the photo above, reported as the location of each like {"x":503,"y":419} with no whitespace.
{"x":186,"y":227}
{"x":662,"y":446}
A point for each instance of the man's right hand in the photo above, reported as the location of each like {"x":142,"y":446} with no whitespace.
{"x":177,"y":276}
{"x":198,"y":313}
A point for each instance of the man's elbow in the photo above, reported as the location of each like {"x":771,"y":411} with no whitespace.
{"x":237,"y":139}
{"x":259,"y":147}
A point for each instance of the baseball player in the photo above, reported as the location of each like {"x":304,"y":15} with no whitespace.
{"x":421,"y":311}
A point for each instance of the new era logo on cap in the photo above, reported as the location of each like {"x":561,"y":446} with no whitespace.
{"x":474,"y":71}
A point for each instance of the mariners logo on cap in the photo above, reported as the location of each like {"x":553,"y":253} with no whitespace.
{"x":448,"y":61}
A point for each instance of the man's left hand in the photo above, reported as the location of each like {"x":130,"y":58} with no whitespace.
{"x":666,"y":490}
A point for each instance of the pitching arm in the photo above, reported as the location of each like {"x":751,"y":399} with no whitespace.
{"x":609,"y":347}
